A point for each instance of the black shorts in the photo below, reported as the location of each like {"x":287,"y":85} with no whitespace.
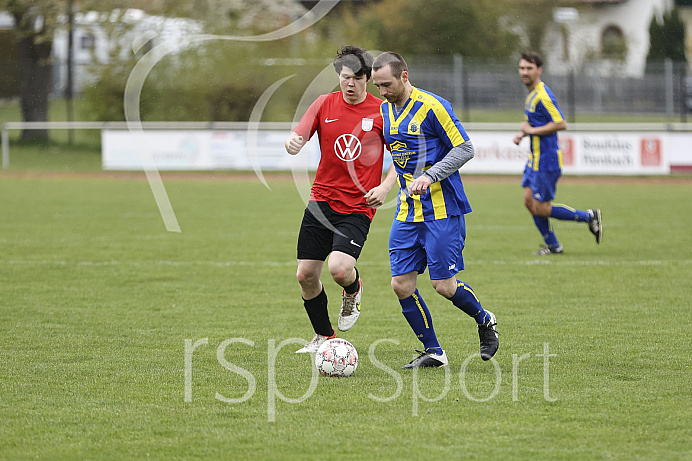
{"x":323,"y":230}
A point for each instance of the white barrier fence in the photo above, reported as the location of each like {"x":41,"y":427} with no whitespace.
{"x":588,"y":149}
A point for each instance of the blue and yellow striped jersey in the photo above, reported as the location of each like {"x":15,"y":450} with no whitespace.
{"x":418,"y":136}
{"x":541,"y":108}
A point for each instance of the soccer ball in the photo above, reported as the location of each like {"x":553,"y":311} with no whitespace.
{"x":336,"y":357}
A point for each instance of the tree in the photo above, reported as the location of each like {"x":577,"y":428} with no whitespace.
{"x":667,"y":39}
{"x":234,"y":17}
{"x":35,"y":24}
{"x":471,"y":27}
{"x":211,"y":78}
{"x":532,"y":17}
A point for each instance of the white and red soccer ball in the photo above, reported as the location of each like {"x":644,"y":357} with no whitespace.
{"x":336,"y":357}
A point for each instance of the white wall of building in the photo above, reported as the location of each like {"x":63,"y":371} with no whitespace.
{"x":583,"y":36}
{"x":101,"y":37}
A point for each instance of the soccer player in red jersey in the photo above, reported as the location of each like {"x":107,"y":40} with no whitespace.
{"x":347,"y":188}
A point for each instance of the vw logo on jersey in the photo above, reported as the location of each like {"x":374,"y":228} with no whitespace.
{"x":347,"y":147}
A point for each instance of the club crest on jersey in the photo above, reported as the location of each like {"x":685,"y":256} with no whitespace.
{"x":347,"y":147}
{"x":414,"y":127}
{"x":366,"y":124}
{"x":398,"y":146}
{"x":400,"y":153}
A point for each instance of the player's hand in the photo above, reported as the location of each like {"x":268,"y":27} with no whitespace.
{"x":526,"y":128}
{"x":376,"y":196}
{"x":294,"y":143}
{"x":518,"y":138}
{"x":419,"y":186}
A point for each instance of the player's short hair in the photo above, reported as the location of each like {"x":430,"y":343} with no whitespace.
{"x":533,"y":58}
{"x":356,"y":59}
{"x":393,"y":60}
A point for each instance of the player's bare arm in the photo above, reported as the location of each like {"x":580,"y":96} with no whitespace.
{"x":377,"y":195}
{"x":547,"y":129}
{"x":294,"y":143}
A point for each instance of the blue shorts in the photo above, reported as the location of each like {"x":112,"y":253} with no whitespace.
{"x":542,"y":183}
{"x":436,"y":244}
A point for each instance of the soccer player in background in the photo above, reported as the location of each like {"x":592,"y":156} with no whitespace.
{"x":347,"y":188}
{"x":428,"y":146}
{"x":542,"y":120}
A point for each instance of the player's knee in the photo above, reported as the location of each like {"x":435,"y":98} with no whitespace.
{"x":534,"y":208}
{"x":343,"y":274}
{"x":341,"y":277}
{"x":402,"y":290}
{"x":444,"y":291}
{"x":306,"y":278}
{"x":445,"y":287}
{"x":542,"y":209}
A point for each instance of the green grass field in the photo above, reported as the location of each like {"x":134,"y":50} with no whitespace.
{"x":99,"y":306}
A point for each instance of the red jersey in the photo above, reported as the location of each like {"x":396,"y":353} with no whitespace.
{"x":352,"y":149}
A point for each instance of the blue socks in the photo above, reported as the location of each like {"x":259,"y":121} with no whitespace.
{"x":565,"y":213}
{"x":418,"y":316}
{"x":546,"y":230}
{"x":466,"y":300}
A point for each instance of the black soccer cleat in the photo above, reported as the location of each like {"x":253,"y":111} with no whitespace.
{"x":489,"y":338}
{"x":596,"y":224}
{"x":427,"y":360}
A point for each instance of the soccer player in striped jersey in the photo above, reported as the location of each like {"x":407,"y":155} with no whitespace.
{"x":542,"y":120}
{"x":428,"y":146}
{"x":347,"y":188}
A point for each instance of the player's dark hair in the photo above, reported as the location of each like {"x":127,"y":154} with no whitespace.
{"x":356,"y":59}
{"x":533,"y":58}
{"x":393,"y":60}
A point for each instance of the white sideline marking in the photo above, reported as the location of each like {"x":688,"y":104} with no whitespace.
{"x":532,"y":262}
